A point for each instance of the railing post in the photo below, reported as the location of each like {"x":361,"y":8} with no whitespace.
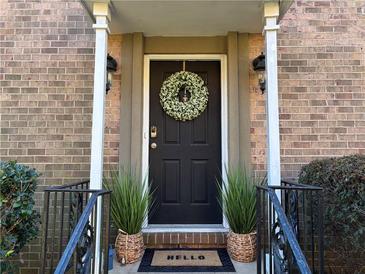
{"x":45,"y":232}
{"x":107,"y":202}
{"x":62,"y":218}
{"x":54,"y":228}
{"x":321,"y":232}
{"x":270,"y":228}
{"x":258,"y":230}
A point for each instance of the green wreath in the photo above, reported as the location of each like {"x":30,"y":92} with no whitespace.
{"x":194,"y":100}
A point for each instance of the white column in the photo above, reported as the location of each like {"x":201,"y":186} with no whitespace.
{"x":271,"y":13}
{"x":101,"y":13}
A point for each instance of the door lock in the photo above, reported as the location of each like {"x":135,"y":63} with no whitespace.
{"x":153,"y":132}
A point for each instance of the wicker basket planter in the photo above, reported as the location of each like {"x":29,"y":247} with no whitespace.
{"x":242,"y":247}
{"x":129,"y":248}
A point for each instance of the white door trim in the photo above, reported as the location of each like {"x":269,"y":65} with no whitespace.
{"x":146,"y":109}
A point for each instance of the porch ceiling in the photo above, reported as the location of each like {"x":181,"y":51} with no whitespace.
{"x":185,"y":18}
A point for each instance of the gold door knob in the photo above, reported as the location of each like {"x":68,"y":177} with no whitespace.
{"x":153,"y":145}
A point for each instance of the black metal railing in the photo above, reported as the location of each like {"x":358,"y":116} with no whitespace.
{"x":69,"y":229}
{"x":290,"y":229}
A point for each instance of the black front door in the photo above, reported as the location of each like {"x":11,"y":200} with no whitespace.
{"x":186,"y":163}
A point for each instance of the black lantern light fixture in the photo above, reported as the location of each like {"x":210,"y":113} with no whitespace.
{"x":259,"y":66}
{"x":111,"y":67}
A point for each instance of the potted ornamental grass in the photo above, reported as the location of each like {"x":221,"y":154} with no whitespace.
{"x":238,"y":202}
{"x":130,"y":202}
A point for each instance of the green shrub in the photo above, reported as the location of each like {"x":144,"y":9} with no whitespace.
{"x":343,"y":182}
{"x":238,"y":200}
{"x":18,"y":219}
{"x":130,"y":200}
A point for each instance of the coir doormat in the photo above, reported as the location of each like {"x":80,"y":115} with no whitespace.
{"x":186,"y":260}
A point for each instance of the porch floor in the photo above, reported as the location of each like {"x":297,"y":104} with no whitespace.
{"x":241,"y":268}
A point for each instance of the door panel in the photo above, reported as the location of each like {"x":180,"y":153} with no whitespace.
{"x":186,"y":163}
{"x":199,"y":181}
{"x":171,"y":181}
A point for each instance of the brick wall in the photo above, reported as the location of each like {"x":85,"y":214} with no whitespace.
{"x":46,"y":81}
{"x":257,"y":108}
{"x":321,"y":84}
{"x":47,"y":53}
{"x":46,"y":73}
{"x":112,"y":111}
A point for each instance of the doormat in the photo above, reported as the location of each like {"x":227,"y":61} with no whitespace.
{"x":186,"y":260}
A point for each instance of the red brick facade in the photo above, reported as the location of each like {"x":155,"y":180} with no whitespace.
{"x":321,"y":84}
{"x":47,"y":63}
{"x":46,"y":79}
{"x":47,"y":60}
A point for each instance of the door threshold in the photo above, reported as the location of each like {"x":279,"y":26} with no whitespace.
{"x":185,"y":228}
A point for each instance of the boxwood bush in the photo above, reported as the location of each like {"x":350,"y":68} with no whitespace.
{"x":18,"y":219}
{"x":343,"y":182}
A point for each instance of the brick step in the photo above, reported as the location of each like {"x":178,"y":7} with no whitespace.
{"x":185,"y":240}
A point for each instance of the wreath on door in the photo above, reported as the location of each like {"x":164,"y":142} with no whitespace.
{"x":183,"y":96}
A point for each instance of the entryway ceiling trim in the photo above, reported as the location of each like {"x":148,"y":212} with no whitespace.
{"x":186,"y":18}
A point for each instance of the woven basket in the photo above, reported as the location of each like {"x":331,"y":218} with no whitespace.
{"x":242,"y":247}
{"x":129,"y":248}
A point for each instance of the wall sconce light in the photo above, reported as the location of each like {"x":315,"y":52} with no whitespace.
{"x":258,"y":65}
{"x":111,"y":67}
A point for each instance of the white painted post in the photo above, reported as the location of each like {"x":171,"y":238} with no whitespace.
{"x":101,"y":13}
{"x":271,"y":13}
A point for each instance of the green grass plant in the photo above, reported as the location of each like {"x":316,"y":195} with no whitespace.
{"x":238,"y":200}
{"x":130,"y":200}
